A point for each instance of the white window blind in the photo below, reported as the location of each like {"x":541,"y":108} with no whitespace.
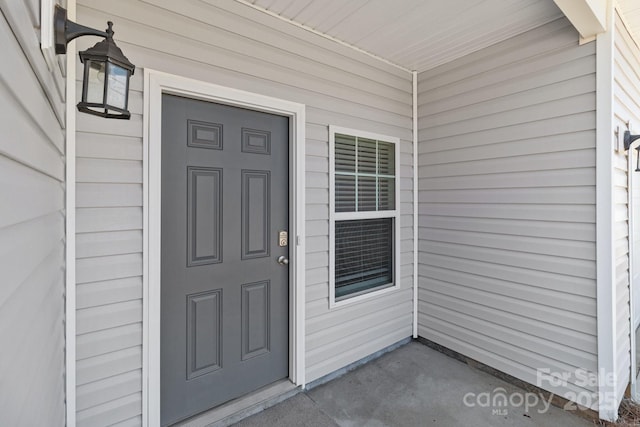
{"x":363,"y":255}
{"x":364,"y":174}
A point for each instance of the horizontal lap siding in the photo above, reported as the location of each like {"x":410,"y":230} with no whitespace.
{"x":109,"y":264}
{"x":232,"y":45}
{"x":31,"y":225}
{"x":626,"y":92}
{"x":507,"y":205}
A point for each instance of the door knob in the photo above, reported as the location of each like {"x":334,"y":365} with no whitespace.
{"x":283,"y":260}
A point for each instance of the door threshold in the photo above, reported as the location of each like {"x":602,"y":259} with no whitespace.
{"x":243,"y":407}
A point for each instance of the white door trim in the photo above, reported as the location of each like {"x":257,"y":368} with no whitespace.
{"x":155,"y":84}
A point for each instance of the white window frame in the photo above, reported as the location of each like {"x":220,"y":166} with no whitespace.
{"x":344,"y":216}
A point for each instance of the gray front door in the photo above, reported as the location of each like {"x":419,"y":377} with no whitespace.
{"x":225,"y":200}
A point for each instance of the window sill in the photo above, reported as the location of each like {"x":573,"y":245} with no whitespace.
{"x":346,"y":301}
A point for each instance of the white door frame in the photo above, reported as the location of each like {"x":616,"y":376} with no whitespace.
{"x":155,"y":84}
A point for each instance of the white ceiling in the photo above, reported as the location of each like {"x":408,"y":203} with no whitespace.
{"x":422,"y":34}
{"x":417,"y":34}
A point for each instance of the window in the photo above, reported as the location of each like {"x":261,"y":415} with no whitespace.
{"x":364,"y":213}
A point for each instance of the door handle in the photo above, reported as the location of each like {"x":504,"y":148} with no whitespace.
{"x":283,"y":260}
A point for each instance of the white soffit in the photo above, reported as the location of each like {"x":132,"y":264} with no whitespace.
{"x":416,"y":34}
{"x":630,"y":10}
{"x":589,"y":17}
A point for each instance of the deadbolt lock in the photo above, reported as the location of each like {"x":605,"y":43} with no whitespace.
{"x":283,"y":238}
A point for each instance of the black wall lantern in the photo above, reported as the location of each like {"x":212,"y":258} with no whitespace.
{"x":628,"y":140}
{"x":105,"y":84}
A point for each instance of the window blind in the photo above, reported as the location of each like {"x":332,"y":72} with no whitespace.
{"x":364,"y":174}
{"x":364,"y":255}
{"x":364,"y":182}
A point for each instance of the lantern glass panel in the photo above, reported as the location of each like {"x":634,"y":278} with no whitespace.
{"x":95,"y":82}
{"x":117,"y":91}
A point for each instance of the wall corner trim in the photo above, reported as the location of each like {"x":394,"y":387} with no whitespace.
{"x":415,"y":202}
{"x":70,"y":229}
{"x":605,"y":253}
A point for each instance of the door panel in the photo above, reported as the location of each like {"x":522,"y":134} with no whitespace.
{"x":256,"y":193}
{"x":224,"y":297}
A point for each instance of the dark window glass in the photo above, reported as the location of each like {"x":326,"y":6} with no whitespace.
{"x":363,"y":255}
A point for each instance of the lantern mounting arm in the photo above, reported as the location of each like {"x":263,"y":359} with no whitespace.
{"x":629,"y":139}
{"x":66,"y":30}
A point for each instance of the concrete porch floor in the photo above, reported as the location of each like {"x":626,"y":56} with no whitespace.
{"x":414,"y":385}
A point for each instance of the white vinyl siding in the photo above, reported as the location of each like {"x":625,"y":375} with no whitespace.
{"x":109,"y":263}
{"x":229,"y":44}
{"x":32,"y":190}
{"x":626,"y":108}
{"x":507,"y":206}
